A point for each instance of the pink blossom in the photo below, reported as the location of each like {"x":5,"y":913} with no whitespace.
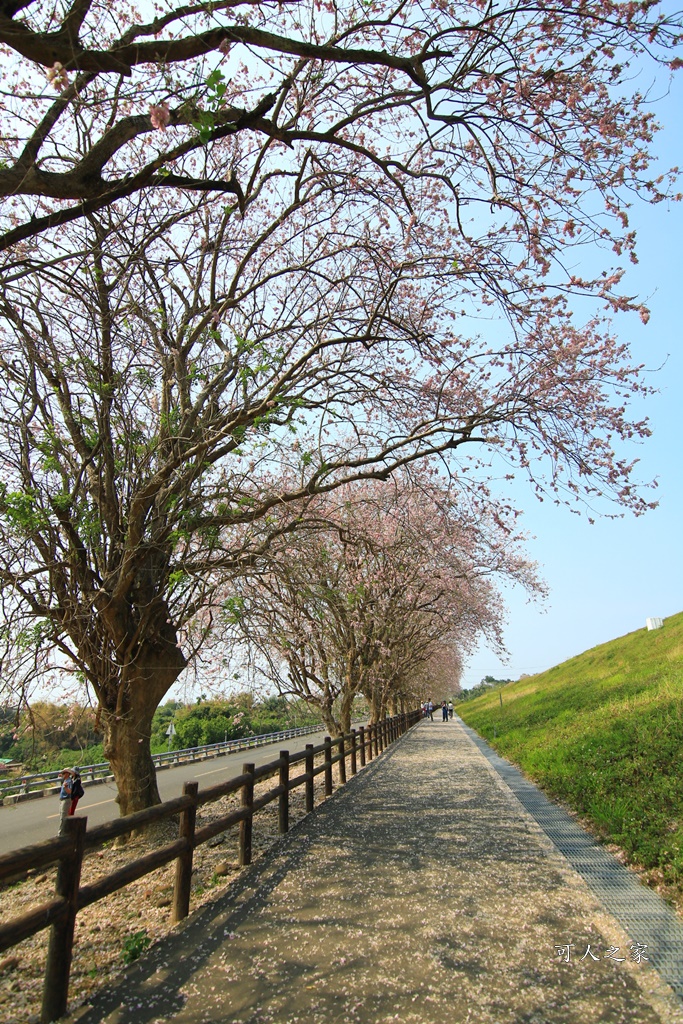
{"x":160,"y":116}
{"x":58,"y":77}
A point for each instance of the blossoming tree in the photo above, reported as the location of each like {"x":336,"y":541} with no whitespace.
{"x":247,"y":253}
{"x":402,"y":574}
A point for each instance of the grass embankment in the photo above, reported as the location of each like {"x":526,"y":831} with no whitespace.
{"x":603,"y":733}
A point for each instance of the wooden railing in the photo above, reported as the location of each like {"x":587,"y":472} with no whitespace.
{"x":359,"y":747}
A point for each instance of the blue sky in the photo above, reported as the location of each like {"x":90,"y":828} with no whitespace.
{"x":606,"y":579}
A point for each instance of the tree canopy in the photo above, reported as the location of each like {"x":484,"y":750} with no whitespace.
{"x":403,"y":579}
{"x":252,"y":253}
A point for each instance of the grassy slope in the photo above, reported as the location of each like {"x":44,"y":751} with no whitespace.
{"x":603,"y":733}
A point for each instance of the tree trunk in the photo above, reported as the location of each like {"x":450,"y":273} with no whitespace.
{"x":127,"y":748}
{"x":329,"y":721}
{"x":127,"y":730}
{"x":345,"y":713}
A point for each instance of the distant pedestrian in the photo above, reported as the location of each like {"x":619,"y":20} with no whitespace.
{"x":430,"y":709}
{"x":450,"y":709}
{"x":65,"y":798}
{"x":444,"y":711}
{"x":77,"y":790}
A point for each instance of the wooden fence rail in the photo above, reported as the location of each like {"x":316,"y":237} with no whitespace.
{"x":59,"y":914}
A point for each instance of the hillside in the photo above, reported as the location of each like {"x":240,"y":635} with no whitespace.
{"x":603,"y":733}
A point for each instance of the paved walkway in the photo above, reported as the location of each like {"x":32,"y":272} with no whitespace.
{"x":424,"y":893}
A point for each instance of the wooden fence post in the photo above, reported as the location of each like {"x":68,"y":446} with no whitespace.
{"x":283,"y":803}
{"x":183,"y":864}
{"x":371,"y":731}
{"x":354,"y":764}
{"x":309,"y":780}
{"x":361,"y":745}
{"x":328,"y":765}
{"x":58,"y":967}
{"x":342,"y":761}
{"x":380,"y":737}
{"x":246,"y":823}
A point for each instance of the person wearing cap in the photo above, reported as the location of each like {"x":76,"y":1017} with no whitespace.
{"x":65,"y":797}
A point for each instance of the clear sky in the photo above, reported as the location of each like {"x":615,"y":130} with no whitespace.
{"x":606,"y":579}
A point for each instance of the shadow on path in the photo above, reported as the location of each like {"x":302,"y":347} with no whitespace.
{"x":422,"y":892}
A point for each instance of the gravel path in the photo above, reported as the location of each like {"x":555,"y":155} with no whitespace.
{"x":422,"y":892}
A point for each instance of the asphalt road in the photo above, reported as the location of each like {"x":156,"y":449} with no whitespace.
{"x":23,"y":824}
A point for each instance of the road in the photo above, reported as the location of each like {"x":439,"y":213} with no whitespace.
{"x":23,"y":824}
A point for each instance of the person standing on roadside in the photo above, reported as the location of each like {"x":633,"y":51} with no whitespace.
{"x":77,"y":790}
{"x":430,"y":709}
{"x":444,"y":711}
{"x":450,"y":709}
{"x":65,"y":798}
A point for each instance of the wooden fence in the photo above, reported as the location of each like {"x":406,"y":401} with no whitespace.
{"x":358,"y":747}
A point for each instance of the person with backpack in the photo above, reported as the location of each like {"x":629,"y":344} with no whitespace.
{"x":77,"y":790}
{"x":65,"y":798}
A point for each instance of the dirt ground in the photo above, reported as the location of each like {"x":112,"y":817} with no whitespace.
{"x":137,"y":915}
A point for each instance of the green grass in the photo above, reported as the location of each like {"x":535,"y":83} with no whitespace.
{"x":603,"y":733}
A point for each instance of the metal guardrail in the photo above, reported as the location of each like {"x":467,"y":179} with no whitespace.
{"x":93,"y":772}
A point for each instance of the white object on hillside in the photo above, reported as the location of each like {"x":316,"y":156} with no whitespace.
{"x":654,"y":623}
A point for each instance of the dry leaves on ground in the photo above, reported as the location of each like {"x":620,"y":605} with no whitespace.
{"x":110,"y":933}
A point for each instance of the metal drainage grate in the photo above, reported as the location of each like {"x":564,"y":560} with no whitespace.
{"x":643,"y":915}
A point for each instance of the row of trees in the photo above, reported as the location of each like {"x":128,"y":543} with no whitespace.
{"x":384,"y":602}
{"x":232,"y":718}
{"x":34,"y":734}
{"x":251,"y":257}
{"x":47,"y":736}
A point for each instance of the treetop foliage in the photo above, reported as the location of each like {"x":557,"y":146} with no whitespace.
{"x":253,"y":253}
{"x":103,"y":101}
